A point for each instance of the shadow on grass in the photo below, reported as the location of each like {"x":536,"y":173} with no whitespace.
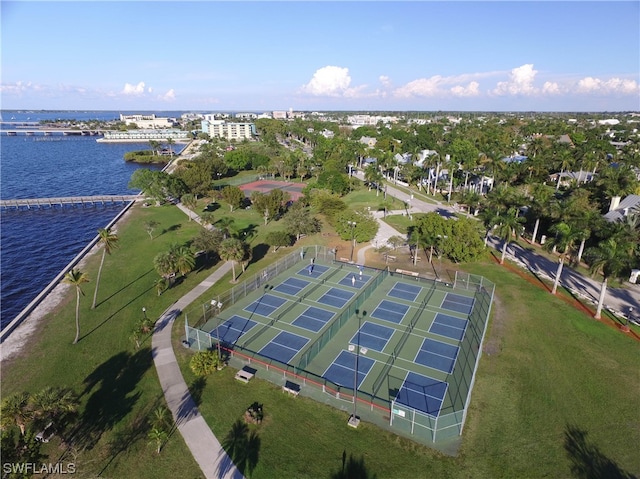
{"x":196,"y":388}
{"x":352,"y":468}
{"x":124,"y":288}
{"x":258,"y":252}
{"x":170,"y":229}
{"x":587,"y":461}
{"x":242,"y":448}
{"x":112,"y":395}
{"x":111,"y":316}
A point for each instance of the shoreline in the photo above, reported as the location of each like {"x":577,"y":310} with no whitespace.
{"x":52,"y":296}
{"x":14,"y":337}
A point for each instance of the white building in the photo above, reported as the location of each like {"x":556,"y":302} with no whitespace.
{"x":145,"y":135}
{"x":148,"y":121}
{"x":230,"y":131}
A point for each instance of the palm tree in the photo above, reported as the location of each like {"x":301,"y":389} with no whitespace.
{"x":508,"y":226}
{"x":540,"y":198}
{"x":184,"y":259}
{"x":232,"y":250}
{"x":109,"y":242}
{"x":15,"y":410}
{"x":564,"y":244}
{"x":157,"y":437}
{"x":76,"y":278}
{"x":53,"y":403}
{"x":165,"y":264}
{"x":609,"y":258}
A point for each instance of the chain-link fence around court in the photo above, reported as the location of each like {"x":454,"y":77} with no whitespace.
{"x":381,"y":406}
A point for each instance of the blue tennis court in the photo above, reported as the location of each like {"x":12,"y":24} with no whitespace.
{"x":283,"y":347}
{"x":313,"y":270}
{"x":405,"y":291}
{"x":292,"y":286}
{"x":437,"y":355}
{"x":448,"y":326}
{"x":457,"y":303}
{"x":232,"y":329}
{"x":372,"y":336}
{"x":313,"y":319}
{"x":266,"y":305}
{"x":355,"y":280}
{"x":390,"y":311}
{"x":343,"y":369}
{"x":422,"y":393}
{"x":336,"y":297}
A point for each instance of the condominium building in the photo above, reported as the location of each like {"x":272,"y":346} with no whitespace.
{"x":230,"y":131}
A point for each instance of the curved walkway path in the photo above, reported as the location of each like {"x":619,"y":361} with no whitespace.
{"x":204,"y":446}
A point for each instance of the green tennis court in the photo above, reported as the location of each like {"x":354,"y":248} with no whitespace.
{"x":408,"y":348}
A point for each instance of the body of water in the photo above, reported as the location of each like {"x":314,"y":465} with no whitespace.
{"x":35,"y":245}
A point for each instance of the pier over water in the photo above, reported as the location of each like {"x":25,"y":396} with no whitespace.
{"x":82,"y":201}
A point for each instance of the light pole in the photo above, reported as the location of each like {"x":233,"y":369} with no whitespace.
{"x":352,"y":224}
{"x":218,"y":305}
{"x":144,"y":311}
{"x":354,"y":420}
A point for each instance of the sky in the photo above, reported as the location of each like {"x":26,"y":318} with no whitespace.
{"x":320,"y":56}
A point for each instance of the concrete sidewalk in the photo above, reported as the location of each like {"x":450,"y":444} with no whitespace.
{"x":204,"y":446}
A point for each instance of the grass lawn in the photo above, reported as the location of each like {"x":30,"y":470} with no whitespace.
{"x":549,"y":373}
{"x":118,"y":384}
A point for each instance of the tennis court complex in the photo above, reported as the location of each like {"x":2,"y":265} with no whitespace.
{"x":405,"y":349}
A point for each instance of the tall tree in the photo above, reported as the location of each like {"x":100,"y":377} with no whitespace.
{"x":563,"y":243}
{"x":76,"y":278}
{"x":609,"y":259}
{"x":108,"y":241}
{"x":233,"y":195}
{"x":232,"y":250}
{"x":508,"y":227}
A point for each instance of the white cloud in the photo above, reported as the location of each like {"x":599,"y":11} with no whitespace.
{"x":169,"y":96}
{"x":520,"y":82}
{"x":329,"y":81}
{"x":421,"y":87}
{"x":590,"y":85}
{"x":385,"y":80}
{"x":551,"y":88}
{"x":130,"y":89}
{"x":472,"y":89}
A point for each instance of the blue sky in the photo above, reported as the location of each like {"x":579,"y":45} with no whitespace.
{"x":331,"y":55}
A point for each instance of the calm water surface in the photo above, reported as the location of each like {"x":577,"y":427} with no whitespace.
{"x":35,"y":245}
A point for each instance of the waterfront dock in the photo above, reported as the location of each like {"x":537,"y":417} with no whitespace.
{"x":82,"y":201}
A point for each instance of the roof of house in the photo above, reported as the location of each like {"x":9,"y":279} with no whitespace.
{"x":628,"y":204}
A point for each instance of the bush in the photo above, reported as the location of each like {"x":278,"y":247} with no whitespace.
{"x":204,"y":363}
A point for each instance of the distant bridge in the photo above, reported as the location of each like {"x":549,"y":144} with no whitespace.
{"x":51,"y":131}
{"x":28,"y":203}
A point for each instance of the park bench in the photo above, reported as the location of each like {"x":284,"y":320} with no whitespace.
{"x":408,"y":273}
{"x":246,"y":374}
{"x":291,"y":388}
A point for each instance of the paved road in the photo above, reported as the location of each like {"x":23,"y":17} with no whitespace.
{"x":617,"y":300}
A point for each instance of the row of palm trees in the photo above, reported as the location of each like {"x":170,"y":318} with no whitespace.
{"x":614,"y":248}
{"x":46,"y":408}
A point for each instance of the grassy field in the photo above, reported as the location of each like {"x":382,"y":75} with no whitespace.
{"x":549,"y":375}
